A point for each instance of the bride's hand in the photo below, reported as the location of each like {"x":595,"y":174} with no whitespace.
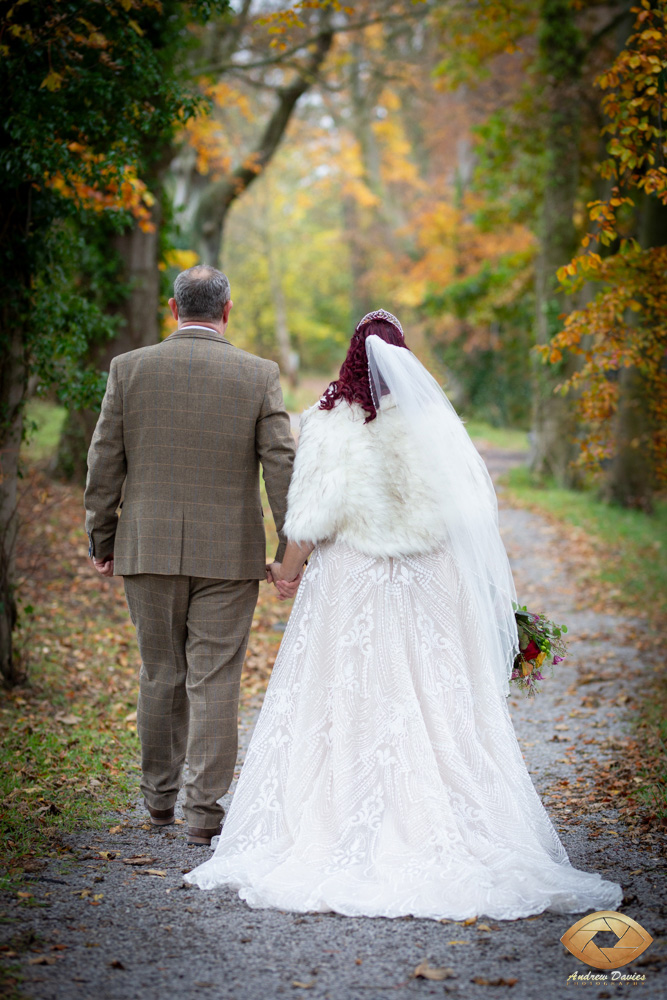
{"x":288,"y":588}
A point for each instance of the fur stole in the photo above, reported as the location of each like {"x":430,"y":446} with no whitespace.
{"x":362,"y":484}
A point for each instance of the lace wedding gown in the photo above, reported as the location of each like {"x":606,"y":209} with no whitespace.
{"x":384,"y":777}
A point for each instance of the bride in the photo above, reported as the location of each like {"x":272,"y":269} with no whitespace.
{"x":383,"y":777}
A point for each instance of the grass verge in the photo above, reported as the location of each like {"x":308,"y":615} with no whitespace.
{"x":631,"y":572}
{"x":44,"y":422}
{"x":632,"y":545}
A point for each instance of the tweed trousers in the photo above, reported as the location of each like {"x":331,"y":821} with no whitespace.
{"x":192,"y":634}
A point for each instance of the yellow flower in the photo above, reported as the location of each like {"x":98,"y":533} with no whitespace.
{"x":540,"y":659}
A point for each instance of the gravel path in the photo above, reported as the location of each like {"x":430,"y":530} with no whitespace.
{"x":105,"y":930}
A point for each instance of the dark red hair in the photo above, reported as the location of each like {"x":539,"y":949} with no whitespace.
{"x":353,"y":383}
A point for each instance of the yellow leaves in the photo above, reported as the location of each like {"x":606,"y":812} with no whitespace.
{"x":181,"y":259}
{"x":53,"y":81}
{"x":567,"y":271}
{"x":213,"y":141}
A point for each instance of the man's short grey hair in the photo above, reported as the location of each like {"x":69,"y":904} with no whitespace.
{"x":201,"y":292}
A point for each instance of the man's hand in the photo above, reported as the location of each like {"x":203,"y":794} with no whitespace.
{"x":104,"y":566}
{"x":286,"y":588}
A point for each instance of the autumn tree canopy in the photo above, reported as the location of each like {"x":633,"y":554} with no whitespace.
{"x":493,"y":172}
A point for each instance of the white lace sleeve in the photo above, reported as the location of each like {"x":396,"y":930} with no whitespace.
{"x":313,"y":501}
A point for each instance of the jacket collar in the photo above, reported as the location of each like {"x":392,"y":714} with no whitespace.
{"x":200,"y":332}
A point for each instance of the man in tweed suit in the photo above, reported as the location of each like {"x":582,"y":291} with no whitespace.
{"x":183,"y":428}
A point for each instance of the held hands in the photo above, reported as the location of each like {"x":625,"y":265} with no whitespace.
{"x":104,"y":566}
{"x":285,"y":587}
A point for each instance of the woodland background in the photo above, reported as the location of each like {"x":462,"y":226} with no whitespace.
{"x":491,"y":171}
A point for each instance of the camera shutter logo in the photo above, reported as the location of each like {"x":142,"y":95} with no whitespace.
{"x":632,"y":941}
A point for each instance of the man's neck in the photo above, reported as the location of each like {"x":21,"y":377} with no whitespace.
{"x":201,"y":323}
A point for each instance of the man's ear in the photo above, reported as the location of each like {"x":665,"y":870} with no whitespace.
{"x":174,"y":309}
{"x":226,"y":311}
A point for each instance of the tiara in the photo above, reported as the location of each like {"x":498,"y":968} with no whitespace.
{"x":380,"y":314}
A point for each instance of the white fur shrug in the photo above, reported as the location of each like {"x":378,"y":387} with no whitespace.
{"x":362,"y":484}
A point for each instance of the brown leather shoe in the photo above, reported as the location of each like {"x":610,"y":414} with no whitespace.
{"x":198,"y":836}
{"x":161,"y":817}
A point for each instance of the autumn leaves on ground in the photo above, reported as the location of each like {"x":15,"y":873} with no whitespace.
{"x":68,"y":731}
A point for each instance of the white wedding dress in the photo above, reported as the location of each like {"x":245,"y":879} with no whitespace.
{"x":383,"y":777}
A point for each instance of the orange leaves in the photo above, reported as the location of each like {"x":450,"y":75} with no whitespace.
{"x":121,"y":190}
{"x":633,"y":101}
{"x":625,"y":326}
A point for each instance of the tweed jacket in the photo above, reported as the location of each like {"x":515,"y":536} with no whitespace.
{"x":183,"y":429}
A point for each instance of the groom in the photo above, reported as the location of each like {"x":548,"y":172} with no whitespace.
{"x":183,"y":429}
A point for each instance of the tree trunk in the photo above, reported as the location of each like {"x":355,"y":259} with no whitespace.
{"x":630,"y":476}
{"x":288,"y":358}
{"x":13,"y":385}
{"x":630,"y":480}
{"x":554,"y":416}
{"x":139,"y":255}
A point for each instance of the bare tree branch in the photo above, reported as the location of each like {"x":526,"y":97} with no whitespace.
{"x":221,"y":195}
{"x":281,"y":57}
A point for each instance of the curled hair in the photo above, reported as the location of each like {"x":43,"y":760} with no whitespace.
{"x":353,"y":384}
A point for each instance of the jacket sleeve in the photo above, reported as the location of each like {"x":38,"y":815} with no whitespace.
{"x":317,"y":491}
{"x":275,"y":447}
{"x":107,"y":467}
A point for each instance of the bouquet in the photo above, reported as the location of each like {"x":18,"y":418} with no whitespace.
{"x":540,"y":641}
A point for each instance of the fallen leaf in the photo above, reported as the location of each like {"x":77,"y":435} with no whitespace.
{"x":484,"y":927}
{"x":139,"y":859}
{"x":115,"y":829}
{"x":116,"y":964}
{"x":51,"y":809}
{"x":426,"y":971}
{"x":481,"y":981}
{"x":43,"y":960}
{"x":458,"y":942}
{"x":154,"y":871}
{"x":70,"y":720}
{"x":132,"y":717}
{"x":469,"y":921}
{"x":303,"y":986}
{"x":34,"y":865}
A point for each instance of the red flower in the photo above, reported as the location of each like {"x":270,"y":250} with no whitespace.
{"x":532,"y":651}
